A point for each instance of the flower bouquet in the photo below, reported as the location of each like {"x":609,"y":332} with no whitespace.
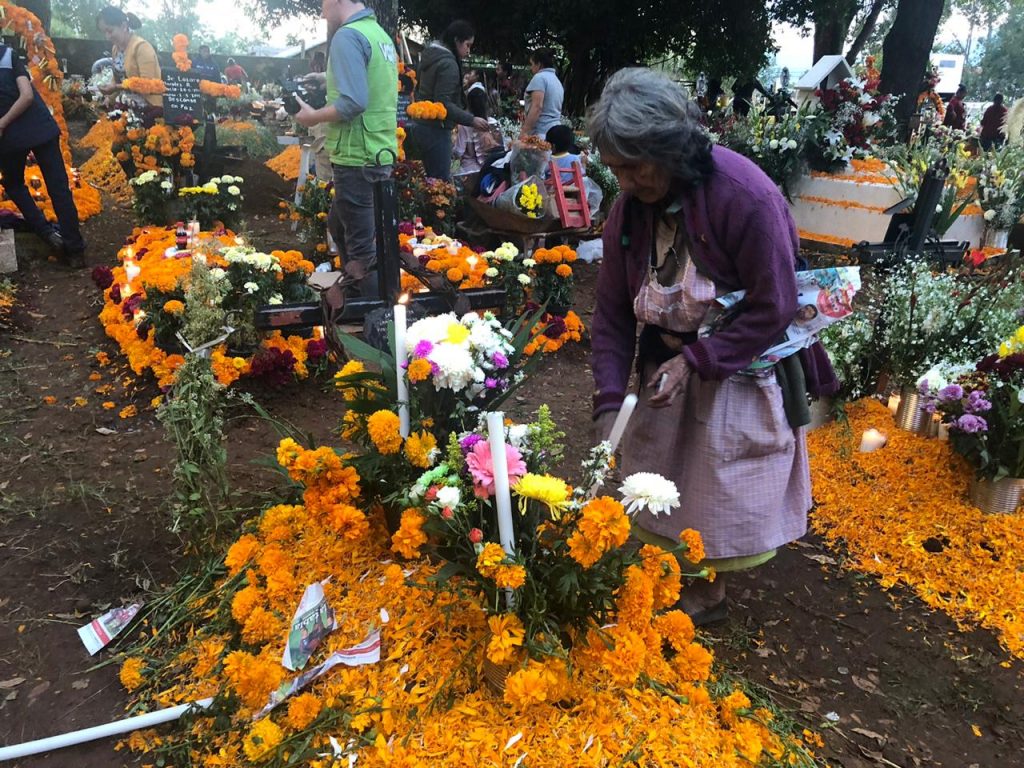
{"x":452,"y":370}
{"x":152,"y":198}
{"x":1000,"y":193}
{"x":219,"y":199}
{"x":562,"y":571}
{"x":984,"y":409}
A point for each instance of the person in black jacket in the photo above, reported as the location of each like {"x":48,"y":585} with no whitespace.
{"x":476,"y":93}
{"x":440,"y":74}
{"x":26,"y":125}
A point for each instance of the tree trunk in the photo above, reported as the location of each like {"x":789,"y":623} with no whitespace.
{"x":865,"y":31}
{"x":40,"y":8}
{"x":829,"y":36}
{"x":905,"y":54}
{"x":387,"y":14}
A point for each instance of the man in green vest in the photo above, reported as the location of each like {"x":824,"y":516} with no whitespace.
{"x":360,"y":115}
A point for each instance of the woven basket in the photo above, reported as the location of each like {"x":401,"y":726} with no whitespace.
{"x":495,"y":675}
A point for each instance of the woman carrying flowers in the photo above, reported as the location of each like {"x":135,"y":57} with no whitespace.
{"x":693,"y":223}
{"x":133,"y":56}
{"x":430,"y":139}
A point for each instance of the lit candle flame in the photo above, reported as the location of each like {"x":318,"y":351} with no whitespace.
{"x":403,"y":299}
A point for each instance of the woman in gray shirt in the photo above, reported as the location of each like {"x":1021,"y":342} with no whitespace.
{"x":543,"y":95}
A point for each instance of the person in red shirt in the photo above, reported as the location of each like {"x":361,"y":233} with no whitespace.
{"x":234,"y":73}
{"x":993,"y":132}
{"x":956,"y":115}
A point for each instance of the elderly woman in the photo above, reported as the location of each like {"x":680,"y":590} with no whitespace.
{"x":696,"y":221}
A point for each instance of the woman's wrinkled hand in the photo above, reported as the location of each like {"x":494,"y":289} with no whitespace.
{"x":669,"y":382}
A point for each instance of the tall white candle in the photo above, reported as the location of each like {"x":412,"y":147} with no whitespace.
{"x":619,"y":427}
{"x":401,"y":356}
{"x":502,"y":495}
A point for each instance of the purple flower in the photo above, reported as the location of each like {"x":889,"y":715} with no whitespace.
{"x":923,"y":387}
{"x":469,"y":441}
{"x":103,"y":276}
{"x":976,"y":402}
{"x":423,"y":348}
{"x":406,"y":228}
{"x":499,"y":360}
{"x":971,"y":424}
{"x":491,"y":383}
{"x":951,"y":393}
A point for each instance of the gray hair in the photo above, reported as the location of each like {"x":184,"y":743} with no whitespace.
{"x":643,"y":116}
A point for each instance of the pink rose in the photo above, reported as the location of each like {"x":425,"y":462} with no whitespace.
{"x":481,"y":467}
{"x":447,"y":513}
{"x":476,"y":535}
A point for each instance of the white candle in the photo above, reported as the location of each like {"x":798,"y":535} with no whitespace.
{"x":871,"y":440}
{"x":619,"y":427}
{"x":401,"y":383}
{"x":944,"y":432}
{"x":502,"y":495}
{"x":131,"y":270}
{"x":894,"y":401}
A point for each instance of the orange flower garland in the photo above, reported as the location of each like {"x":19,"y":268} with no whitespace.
{"x":902,"y":514}
{"x":180,"y":54}
{"x":219,"y":90}
{"x":144,"y":85}
{"x":105,"y":172}
{"x":427,"y":110}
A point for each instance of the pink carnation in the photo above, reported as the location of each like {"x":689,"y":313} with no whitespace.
{"x":481,"y":467}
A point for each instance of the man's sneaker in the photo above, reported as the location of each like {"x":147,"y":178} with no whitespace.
{"x":73,"y":260}
{"x":54,"y":239}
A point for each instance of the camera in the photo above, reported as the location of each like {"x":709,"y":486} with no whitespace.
{"x":312,"y":93}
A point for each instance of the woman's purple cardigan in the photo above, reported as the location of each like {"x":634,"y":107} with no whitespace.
{"x":742,"y":237}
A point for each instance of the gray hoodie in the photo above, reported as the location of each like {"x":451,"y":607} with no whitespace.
{"x":440,"y":80}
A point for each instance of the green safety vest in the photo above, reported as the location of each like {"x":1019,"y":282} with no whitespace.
{"x":357,"y":142}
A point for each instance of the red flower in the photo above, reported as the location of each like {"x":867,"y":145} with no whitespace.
{"x":476,"y":535}
{"x":447,"y":514}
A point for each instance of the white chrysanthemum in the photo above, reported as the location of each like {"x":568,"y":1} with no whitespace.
{"x":433,"y":329}
{"x":455,"y":364}
{"x":491,"y":272}
{"x":647,"y":490}
{"x":251,"y":287}
{"x":524,"y":278}
{"x":233,"y":190}
{"x":276,"y":298}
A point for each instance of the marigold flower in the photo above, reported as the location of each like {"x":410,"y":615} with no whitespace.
{"x":383,"y":428}
{"x":303,"y":710}
{"x":506,"y":637}
{"x":419,"y":370}
{"x":409,"y":537}
{"x":693,"y":663}
{"x":527,"y":687}
{"x":490,"y":557}
{"x":510,"y":576}
{"x":131,"y":674}
{"x":563,"y":270}
{"x":261,"y":742}
{"x":694,"y":545}
{"x":676,"y":627}
{"x":241,"y":552}
{"x":421,"y":449}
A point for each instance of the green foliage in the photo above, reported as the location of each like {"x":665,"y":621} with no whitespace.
{"x":193,"y":418}
{"x":258,"y":140}
{"x":204,"y":316}
{"x":1002,"y":64}
{"x":152,"y":199}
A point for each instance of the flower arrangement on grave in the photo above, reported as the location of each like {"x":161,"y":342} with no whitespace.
{"x":140,"y":148}
{"x":286,"y":163}
{"x":775,"y":144}
{"x":145,"y":301}
{"x":863,"y":116}
{"x":312,"y":211}
{"x":1000,"y":188}
{"x":562,"y":569}
{"x":927,"y":94}
{"x":219,"y":200}
{"x":458,"y":263}
{"x":433,"y":200}
{"x":910,"y":162}
{"x":402,"y":406}
{"x":152,"y":196}
{"x":427,"y":110}
{"x":420,"y":701}
{"x":984,"y":408}
{"x":259,"y":141}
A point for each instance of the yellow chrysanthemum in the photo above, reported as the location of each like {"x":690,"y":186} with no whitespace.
{"x":261,"y":742}
{"x":383,"y":427}
{"x":550,"y":491}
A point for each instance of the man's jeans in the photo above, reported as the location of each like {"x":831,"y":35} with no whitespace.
{"x":351,"y":220}
{"x":51,"y":165}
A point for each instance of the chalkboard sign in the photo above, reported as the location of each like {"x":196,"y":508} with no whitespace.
{"x":182,"y":100}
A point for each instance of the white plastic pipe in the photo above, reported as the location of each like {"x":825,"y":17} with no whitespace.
{"x":116,"y":728}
